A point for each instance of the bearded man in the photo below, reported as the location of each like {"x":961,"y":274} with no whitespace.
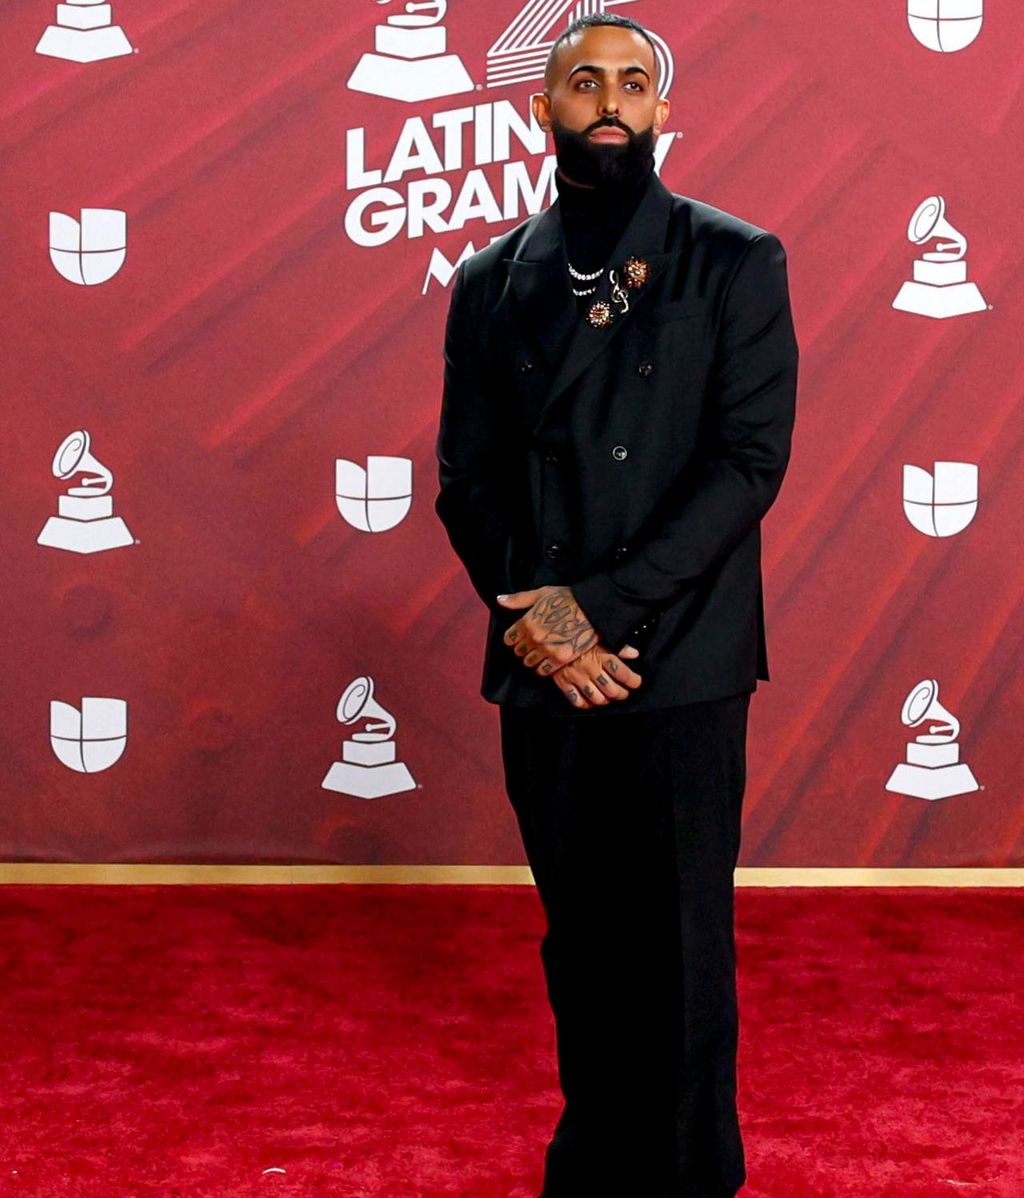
{"x":619,"y":398}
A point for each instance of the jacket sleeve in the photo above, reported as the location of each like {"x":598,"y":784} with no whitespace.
{"x":751,"y":401}
{"x":472,"y":503}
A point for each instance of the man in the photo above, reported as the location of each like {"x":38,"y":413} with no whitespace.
{"x":619,"y":398}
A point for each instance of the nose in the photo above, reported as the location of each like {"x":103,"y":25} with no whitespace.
{"x":609,"y":103}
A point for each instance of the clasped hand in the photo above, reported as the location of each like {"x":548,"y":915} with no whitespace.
{"x":556,"y":638}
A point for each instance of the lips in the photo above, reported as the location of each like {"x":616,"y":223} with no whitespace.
{"x":607,"y":133}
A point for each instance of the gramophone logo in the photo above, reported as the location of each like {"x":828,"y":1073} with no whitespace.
{"x":939,"y":287}
{"x":943,"y":503}
{"x":368,"y":769}
{"x":83,"y":33}
{"x":377,"y":498}
{"x":90,"y":740}
{"x":410,"y":60}
{"x":85,"y":520}
{"x":945,"y":25}
{"x":933,"y":769}
{"x":92,"y":251}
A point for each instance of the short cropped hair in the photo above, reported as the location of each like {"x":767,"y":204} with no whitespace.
{"x":592,"y":21}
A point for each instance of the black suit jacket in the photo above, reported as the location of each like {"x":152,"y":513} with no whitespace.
{"x":634,"y":462}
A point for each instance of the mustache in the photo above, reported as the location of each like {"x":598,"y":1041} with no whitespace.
{"x":609,"y":122}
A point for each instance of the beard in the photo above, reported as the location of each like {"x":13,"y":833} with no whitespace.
{"x":608,"y":165}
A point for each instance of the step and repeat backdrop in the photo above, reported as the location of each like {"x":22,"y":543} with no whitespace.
{"x":233,"y":628}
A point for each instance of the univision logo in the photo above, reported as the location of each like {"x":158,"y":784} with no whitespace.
{"x":92,"y":250}
{"x":945,"y":25}
{"x":942,"y":503}
{"x":377,"y":498}
{"x":91,"y":739}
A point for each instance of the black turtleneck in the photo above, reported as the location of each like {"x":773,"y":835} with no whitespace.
{"x":593,"y":219}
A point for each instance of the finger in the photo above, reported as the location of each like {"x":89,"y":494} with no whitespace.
{"x":570,"y":690}
{"x":519,"y":599}
{"x":611,"y":663}
{"x":548,"y":659}
{"x":603,"y":679}
{"x":593,"y":693}
{"x":629,"y":651}
{"x":544,"y":666}
{"x":581,"y":677}
{"x":534,"y":655}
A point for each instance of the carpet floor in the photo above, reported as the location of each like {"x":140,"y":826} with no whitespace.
{"x":395,"y":1042}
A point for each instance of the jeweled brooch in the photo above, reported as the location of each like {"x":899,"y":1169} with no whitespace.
{"x":600,"y":314}
{"x":635,"y":272}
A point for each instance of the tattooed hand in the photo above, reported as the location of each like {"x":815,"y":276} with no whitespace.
{"x":553,"y":633}
{"x":555,"y":629}
{"x":597,"y":677}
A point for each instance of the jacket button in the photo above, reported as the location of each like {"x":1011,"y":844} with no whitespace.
{"x":554,"y":550}
{"x":551,"y":455}
{"x":525,"y":367}
{"x":645,"y":368}
{"x":619,"y":452}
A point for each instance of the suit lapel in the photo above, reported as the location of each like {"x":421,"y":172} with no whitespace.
{"x":540,"y":278}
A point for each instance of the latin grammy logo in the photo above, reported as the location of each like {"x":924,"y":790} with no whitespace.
{"x":368,"y":769}
{"x":521,"y":49}
{"x":83,"y":33}
{"x":933,"y":769}
{"x":377,"y":498}
{"x":944,"y":503}
{"x":85,"y":522}
{"x":939,"y":287}
{"x":91,"y":739}
{"x":410,"y":60}
{"x":945,"y":25}
{"x":91,"y":252}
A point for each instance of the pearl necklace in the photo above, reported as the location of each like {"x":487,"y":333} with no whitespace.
{"x":585,"y":278}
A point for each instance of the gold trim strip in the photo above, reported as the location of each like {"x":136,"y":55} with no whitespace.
{"x":58,"y":874}
{"x":865,"y":876}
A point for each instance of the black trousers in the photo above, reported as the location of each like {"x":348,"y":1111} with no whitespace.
{"x":631,"y":825}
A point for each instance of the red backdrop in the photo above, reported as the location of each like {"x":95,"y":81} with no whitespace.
{"x":247,"y":343}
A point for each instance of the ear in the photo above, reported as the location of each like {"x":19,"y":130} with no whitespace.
{"x":661,"y":113}
{"x":540,"y":102}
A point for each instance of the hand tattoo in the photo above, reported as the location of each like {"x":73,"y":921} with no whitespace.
{"x":563,"y":622}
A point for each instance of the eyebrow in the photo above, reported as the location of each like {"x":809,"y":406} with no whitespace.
{"x":589,"y":66}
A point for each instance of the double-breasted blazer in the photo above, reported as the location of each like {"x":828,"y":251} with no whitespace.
{"x":634,"y":462}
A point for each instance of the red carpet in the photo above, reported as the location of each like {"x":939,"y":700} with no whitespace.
{"x":395,"y":1041}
